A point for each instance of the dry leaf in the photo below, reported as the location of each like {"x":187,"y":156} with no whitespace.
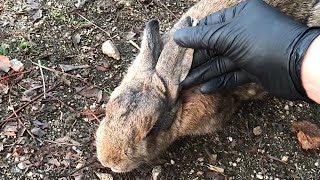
{"x":37,"y":131}
{"x":4,"y":63}
{"x":66,"y":67}
{"x":54,"y":161}
{"x":37,"y":15}
{"x":90,"y":92}
{"x":308,"y":134}
{"x":216,"y":169}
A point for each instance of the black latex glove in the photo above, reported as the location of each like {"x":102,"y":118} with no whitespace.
{"x":249,"y":42}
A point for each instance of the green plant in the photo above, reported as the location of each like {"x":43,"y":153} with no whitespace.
{"x":4,"y":49}
{"x":108,"y":90}
{"x":24,"y":44}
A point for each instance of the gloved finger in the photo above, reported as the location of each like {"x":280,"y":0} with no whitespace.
{"x":202,"y":37}
{"x":223,"y":15}
{"x":200,"y":57}
{"x":225,"y":81}
{"x":211,"y":69}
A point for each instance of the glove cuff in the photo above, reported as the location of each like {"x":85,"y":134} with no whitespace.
{"x":297,"y":56}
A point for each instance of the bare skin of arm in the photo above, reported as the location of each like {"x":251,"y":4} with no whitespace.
{"x":310,"y":71}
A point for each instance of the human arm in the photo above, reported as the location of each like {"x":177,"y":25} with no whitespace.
{"x":249,"y":42}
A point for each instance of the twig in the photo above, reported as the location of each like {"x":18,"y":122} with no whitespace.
{"x":14,"y":74}
{"x":60,"y":72}
{"x":95,"y":117}
{"x":276,"y":159}
{"x":62,"y":143}
{"x":19,"y":120}
{"x":108,"y":34}
{"x":63,"y":103}
{"x":43,"y":82}
{"x":82,"y":167}
{"x":167,"y":9}
{"x":5,"y":119}
{"x":134,"y":44}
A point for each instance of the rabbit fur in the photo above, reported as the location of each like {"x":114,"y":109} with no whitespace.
{"x":148,"y":111}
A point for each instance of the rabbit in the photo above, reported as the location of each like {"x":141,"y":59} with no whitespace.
{"x":148,"y":111}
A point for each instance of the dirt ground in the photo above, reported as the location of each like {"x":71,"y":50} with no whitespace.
{"x":52,"y":137}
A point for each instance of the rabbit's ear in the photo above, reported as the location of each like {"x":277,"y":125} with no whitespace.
{"x":150,"y":47}
{"x":174,"y":62}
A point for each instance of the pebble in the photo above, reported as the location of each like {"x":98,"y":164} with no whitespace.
{"x":201,"y":159}
{"x":285,"y":158}
{"x":16,"y":65}
{"x":234,"y":164}
{"x":257,"y":131}
{"x":316,"y":163}
{"x":109,"y":49}
{"x":259,"y":176}
{"x":172,"y":162}
{"x":200,"y":173}
{"x":156,"y":172}
{"x":286,"y":107}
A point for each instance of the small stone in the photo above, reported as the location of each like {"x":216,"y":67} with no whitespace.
{"x":201,"y":159}
{"x":200,"y":173}
{"x":316,"y":163}
{"x":109,"y":49}
{"x":259,"y":176}
{"x":172,"y":162}
{"x":257,"y":131}
{"x":29,"y":174}
{"x":230,"y":138}
{"x":285,"y":158}
{"x":276,"y":179}
{"x":238,"y":159}
{"x":16,"y":65}
{"x":191,"y":171}
{"x":156,"y":172}
{"x":234,"y":164}
{"x":286,"y":107}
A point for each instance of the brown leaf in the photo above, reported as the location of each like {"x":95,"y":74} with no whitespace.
{"x":4,"y":63}
{"x":90,"y":92}
{"x":308,"y":134}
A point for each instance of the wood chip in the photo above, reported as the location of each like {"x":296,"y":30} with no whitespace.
{"x":308,"y":134}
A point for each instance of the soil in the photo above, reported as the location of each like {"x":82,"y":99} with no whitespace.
{"x":36,"y":149}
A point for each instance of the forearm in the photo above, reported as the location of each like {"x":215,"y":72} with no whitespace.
{"x":310,"y":71}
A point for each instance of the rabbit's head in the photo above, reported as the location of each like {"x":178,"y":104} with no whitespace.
{"x":141,"y":110}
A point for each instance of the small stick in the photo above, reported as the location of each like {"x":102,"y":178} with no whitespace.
{"x":56,"y":71}
{"x":108,"y":34}
{"x":43,"y":82}
{"x":134,"y":44}
{"x":90,"y":112}
{"x":3,"y":120}
{"x":159,"y":1}
{"x":54,"y":142}
{"x":19,"y":120}
{"x":14,"y":74}
{"x":276,"y":159}
{"x":82,"y":167}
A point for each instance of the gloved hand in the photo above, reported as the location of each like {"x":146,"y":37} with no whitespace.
{"x":249,"y":42}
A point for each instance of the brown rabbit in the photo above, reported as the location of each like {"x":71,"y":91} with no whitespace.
{"x":148,"y":111}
